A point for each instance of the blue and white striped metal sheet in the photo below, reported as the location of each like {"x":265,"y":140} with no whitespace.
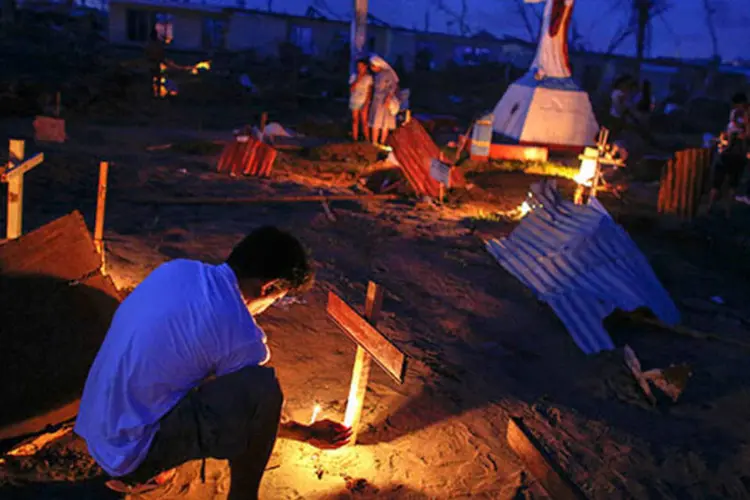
{"x":578,"y":260}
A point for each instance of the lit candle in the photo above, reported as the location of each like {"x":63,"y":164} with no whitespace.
{"x":315,"y":413}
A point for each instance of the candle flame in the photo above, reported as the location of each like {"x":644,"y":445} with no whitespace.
{"x":315,"y":413}
{"x":201,"y":65}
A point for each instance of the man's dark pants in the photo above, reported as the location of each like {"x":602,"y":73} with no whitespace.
{"x":234,"y":417}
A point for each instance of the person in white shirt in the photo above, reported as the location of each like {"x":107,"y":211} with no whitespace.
{"x":359,"y":101}
{"x":180,"y":373}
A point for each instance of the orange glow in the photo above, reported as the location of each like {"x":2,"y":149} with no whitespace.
{"x":587,"y":172}
{"x":205,"y":65}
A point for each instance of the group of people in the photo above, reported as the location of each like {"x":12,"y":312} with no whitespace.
{"x":374,"y":101}
{"x":631,"y":105}
{"x":733,"y":152}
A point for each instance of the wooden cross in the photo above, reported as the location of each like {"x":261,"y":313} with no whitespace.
{"x":12,"y":174}
{"x":599,"y":156}
{"x":371,"y":344}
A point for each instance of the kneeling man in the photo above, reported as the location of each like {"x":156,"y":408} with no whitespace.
{"x":180,"y":374}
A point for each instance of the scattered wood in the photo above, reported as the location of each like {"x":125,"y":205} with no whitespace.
{"x":31,"y":447}
{"x":541,"y":466}
{"x":327,"y":209}
{"x":263,"y":199}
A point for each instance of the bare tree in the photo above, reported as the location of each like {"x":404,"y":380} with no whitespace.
{"x":710,"y":7}
{"x":458,"y":18}
{"x":8,"y":12}
{"x":532,"y":19}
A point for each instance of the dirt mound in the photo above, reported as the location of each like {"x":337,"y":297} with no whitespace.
{"x":350,"y":152}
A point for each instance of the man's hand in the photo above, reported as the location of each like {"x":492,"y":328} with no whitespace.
{"x":328,"y":435}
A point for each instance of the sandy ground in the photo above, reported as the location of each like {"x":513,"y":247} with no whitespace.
{"x":480,"y":347}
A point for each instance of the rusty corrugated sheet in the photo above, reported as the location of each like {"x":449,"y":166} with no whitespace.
{"x":414,"y":149}
{"x":247,"y":157}
{"x":684,"y":180}
{"x":56,"y":310}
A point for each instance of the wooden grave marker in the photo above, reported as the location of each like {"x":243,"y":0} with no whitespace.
{"x":12,"y":174}
{"x":48,"y":128}
{"x":441,"y":172}
{"x":541,"y":466}
{"x":371,"y":344}
{"x":101,"y":201}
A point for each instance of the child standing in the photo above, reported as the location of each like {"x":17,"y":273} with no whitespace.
{"x":733,"y":151}
{"x":359,"y":100}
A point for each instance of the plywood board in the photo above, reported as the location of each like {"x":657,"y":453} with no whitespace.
{"x":539,"y":464}
{"x":388,"y":356}
{"x":49,"y":129}
{"x":441,"y":172}
{"x":56,"y":311}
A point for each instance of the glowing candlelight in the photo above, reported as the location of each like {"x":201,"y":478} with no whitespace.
{"x":201,"y":65}
{"x":315,"y":413}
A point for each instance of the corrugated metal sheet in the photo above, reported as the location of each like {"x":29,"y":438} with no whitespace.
{"x":414,"y":149}
{"x":250,"y":157}
{"x":583,"y":264}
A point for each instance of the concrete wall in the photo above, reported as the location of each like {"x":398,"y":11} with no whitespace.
{"x":250,"y":31}
{"x":187,"y":25}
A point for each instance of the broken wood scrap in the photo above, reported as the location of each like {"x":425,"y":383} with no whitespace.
{"x":262,"y":199}
{"x":327,"y":209}
{"x":689,"y":332}
{"x":671,"y":380}
{"x":539,"y":463}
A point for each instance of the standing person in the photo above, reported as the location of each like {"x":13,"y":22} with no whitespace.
{"x":359,"y":101}
{"x":156,"y":58}
{"x":180,"y":374}
{"x":382,"y":115}
{"x":733,"y":153}
{"x":619,"y":100}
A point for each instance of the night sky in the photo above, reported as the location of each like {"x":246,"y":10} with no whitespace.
{"x":682,"y":32}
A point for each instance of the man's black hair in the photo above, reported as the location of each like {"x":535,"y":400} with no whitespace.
{"x":269,"y":254}
{"x":739,"y":98}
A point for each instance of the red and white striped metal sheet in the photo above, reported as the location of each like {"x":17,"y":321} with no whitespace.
{"x":247,"y":156}
{"x":414,"y":149}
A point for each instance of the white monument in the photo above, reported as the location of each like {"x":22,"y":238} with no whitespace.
{"x":546,"y":107}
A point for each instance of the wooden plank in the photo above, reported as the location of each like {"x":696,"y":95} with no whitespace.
{"x":388,"y":356}
{"x":518,"y":152}
{"x":541,"y":466}
{"x":49,"y":129}
{"x":57,"y":308}
{"x":36,"y":424}
{"x":262,"y":199}
{"x":362,"y":365}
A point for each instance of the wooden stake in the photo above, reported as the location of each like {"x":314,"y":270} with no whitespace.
{"x":263,"y":122}
{"x":58,"y":99}
{"x":101,"y":201}
{"x":14,"y":223}
{"x":442,"y":193}
{"x":362,"y":364}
